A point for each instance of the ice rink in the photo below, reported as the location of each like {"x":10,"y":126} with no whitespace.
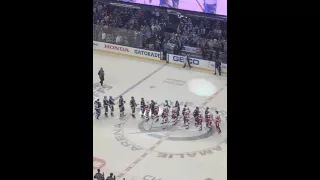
{"x":125,"y":147}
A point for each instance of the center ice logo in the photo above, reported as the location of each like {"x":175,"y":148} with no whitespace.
{"x":124,"y":130}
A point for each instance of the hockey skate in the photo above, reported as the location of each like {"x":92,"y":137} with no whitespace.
{"x":106,"y":114}
{"x":133,"y":116}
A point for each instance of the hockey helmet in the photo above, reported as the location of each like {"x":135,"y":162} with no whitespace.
{"x":105,"y":97}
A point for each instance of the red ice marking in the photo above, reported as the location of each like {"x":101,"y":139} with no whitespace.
{"x":98,"y":163}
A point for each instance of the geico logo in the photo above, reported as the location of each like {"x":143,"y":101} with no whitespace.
{"x":181,"y":59}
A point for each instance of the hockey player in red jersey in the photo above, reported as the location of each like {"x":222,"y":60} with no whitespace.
{"x":156,"y":111}
{"x":174,"y":114}
{"x":164,"y":115}
{"x":147,"y":110}
{"x":218,"y":121}
{"x":186,"y":117}
{"x":199,"y":121}
{"x":209,"y":120}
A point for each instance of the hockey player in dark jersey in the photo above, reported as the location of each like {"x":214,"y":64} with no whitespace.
{"x":177,"y":105}
{"x":196,"y":113}
{"x":142,"y":106}
{"x":152,"y":109}
{"x":121,"y":106}
{"x":111,"y":104}
{"x":184,"y":109}
{"x":97,"y":107}
{"x":206,"y":114}
{"x":166,"y":104}
{"x":105,"y":105}
{"x":133,"y":106}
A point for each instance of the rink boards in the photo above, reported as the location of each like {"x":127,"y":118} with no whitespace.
{"x":156,"y":56}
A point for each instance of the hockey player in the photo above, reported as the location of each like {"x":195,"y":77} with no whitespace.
{"x":156,"y":111}
{"x":218,"y":121}
{"x":152,"y":109}
{"x":105,"y":105}
{"x":147,"y":108}
{"x":196,"y":113}
{"x":101,"y":76}
{"x":164,"y":115}
{"x":209,"y":120}
{"x":97,"y":107}
{"x":166,"y":104}
{"x":199,"y":121}
{"x":206,"y":112}
{"x":186,"y":117}
{"x":177,"y":105}
{"x":111,"y":104}
{"x":184,"y":109}
{"x":174,"y":115}
{"x":133,"y":106}
{"x":142,"y":106}
{"x":121,"y":106}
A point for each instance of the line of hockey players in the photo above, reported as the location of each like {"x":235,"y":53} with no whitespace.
{"x":154,"y":108}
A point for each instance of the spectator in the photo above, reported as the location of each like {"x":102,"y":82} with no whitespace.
{"x":118,"y":39}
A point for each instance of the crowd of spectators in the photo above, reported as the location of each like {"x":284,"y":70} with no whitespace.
{"x":156,"y":30}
